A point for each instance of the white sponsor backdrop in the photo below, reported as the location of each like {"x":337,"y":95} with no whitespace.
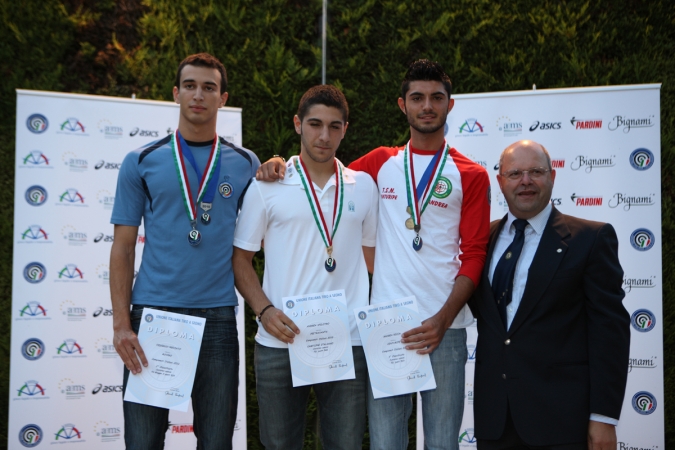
{"x":65,"y":376}
{"x":605,"y":144}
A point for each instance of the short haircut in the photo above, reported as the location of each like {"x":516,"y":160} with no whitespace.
{"x":204,"y":60}
{"x":425,"y":70}
{"x":323,"y":94}
{"x":546,"y":154}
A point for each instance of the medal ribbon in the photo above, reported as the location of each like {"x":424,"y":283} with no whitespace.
{"x":207,"y":180}
{"x":314,"y":201}
{"x":425,"y":189}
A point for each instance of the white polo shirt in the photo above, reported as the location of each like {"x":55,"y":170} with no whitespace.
{"x":295,"y":254}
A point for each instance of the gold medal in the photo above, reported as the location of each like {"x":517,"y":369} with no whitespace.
{"x":409,"y":224}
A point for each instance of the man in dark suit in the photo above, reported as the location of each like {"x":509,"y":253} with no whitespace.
{"x":553,"y":335}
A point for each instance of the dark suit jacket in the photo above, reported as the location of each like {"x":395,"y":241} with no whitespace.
{"x":566,"y":353}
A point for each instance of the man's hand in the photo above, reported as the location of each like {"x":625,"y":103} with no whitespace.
{"x":427,"y":337}
{"x":279,"y":325}
{"x":127,"y":346}
{"x":601,"y":436}
{"x":271,"y":170}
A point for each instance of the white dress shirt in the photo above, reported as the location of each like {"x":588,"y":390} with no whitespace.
{"x":533,"y":232}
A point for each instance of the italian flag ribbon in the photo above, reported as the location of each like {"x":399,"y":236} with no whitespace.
{"x":315,"y":205}
{"x":180,"y":148}
{"x":418,"y":202}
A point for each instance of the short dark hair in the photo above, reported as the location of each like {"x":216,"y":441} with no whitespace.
{"x":425,"y":70}
{"x":204,"y":60}
{"x":323,"y":94}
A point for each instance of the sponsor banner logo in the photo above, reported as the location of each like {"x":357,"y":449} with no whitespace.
{"x":37,"y":123}
{"x":627,"y":201}
{"x":143,"y":133}
{"x":105,"y":348}
{"x":181,"y":428}
{"x":70,"y":348}
{"x":34,"y":272}
{"x":471,"y":353}
{"x":36,"y":195}
{"x":33,"y":311}
{"x":626,"y":123}
{"x":642,"y":239}
{"x":642,"y":363}
{"x":73,"y":237}
{"x":467,"y":437}
{"x":34,"y":234}
{"x":103,"y":273}
{"x":35,"y":160}
{"x":72,"y":312}
{"x":109,"y":130}
{"x":588,"y":164}
{"x":71,"y":197}
{"x":72,"y":126}
{"x":586,"y":201}
{"x":107,"y":165}
{"x":140,"y":240}
{"x":105,"y":198}
{"x":71,"y":273}
{"x":644,"y":403}
{"x":68,"y":433}
{"x":643,"y":320}
{"x":638,"y":283}
{"x":481,"y":162}
{"x":586,"y":124}
{"x":100,"y":388}
{"x":74,"y":163}
{"x":557,"y":164}
{"x":471,"y":128}
{"x":508,"y":127}
{"x":620,"y":445}
{"x":556,"y":201}
{"x":102,"y":312}
{"x":33,"y":349}
{"x":72,"y":390}
{"x":30,"y":435}
{"x":107,"y":433}
{"x":543,"y":126}
{"x":31,"y":390}
{"x":641,"y":159}
{"x":103,"y":238}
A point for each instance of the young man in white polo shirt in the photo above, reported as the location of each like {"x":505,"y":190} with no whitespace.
{"x":319,"y":226}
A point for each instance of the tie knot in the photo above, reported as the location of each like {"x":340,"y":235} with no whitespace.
{"x":520,"y":224}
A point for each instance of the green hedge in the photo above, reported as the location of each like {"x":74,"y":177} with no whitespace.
{"x":272,"y":51}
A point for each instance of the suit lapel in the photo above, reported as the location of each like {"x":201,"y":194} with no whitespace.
{"x":549,"y":254}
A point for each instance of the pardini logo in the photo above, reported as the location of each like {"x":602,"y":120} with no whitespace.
{"x":107,"y":165}
{"x":545,"y":125}
{"x":644,"y":403}
{"x":643,"y":320}
{"x":586,"y":201}
{"x":642,"y":239}
{"x":30,"y":435}
{"x":100,"y":311}
{"x":106,"y":389}
{"x":557,"y":163}
{"x":143,"y":133}
{"x":641,"y":159}
{"x":586,"y":124}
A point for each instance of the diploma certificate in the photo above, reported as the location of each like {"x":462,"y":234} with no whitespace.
{"x":323,"y":350}
{"x":171,"y":343}
{"x":392,"y":369}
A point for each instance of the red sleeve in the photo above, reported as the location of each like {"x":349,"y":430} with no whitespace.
{"x":373,"y":160}
{"x":474,"y":224}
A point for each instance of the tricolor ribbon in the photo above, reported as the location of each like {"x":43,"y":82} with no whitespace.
{"x":422,"y":193}
{"x":314,"y":201}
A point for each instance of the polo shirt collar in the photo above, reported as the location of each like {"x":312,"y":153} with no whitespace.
{"x":292,"y":177}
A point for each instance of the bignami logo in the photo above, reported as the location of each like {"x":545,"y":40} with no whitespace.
{"x":37,"y":123}
{"x":30,"y":435}
{"x":36,"y":195}
{"x":644,"y":403}
{"x":627,"y":201}
{"x":589,"y":164}
{"x":642,"y":239}
{"x":638,"y":283}
{"x":643,"y":320}
{"x":641,"y":159}
{"x":626,"y":123}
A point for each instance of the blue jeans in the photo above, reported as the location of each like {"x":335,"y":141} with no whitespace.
{"x":342,"y":404}
{"x":442,"y":408}
{"x":214,"y":395}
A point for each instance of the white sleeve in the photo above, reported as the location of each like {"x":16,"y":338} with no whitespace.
{"x":252,"y":220}
{"x":370,"y":222}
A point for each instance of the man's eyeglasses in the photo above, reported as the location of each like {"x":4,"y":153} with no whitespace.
{"x":534,"y":173}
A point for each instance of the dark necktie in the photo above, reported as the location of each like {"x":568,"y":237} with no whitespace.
{"x":502,"y":279}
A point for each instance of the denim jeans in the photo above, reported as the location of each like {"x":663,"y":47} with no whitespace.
{"x":214,"y":395}
{"x":442,"y":408}
{"x":342,"y":404}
